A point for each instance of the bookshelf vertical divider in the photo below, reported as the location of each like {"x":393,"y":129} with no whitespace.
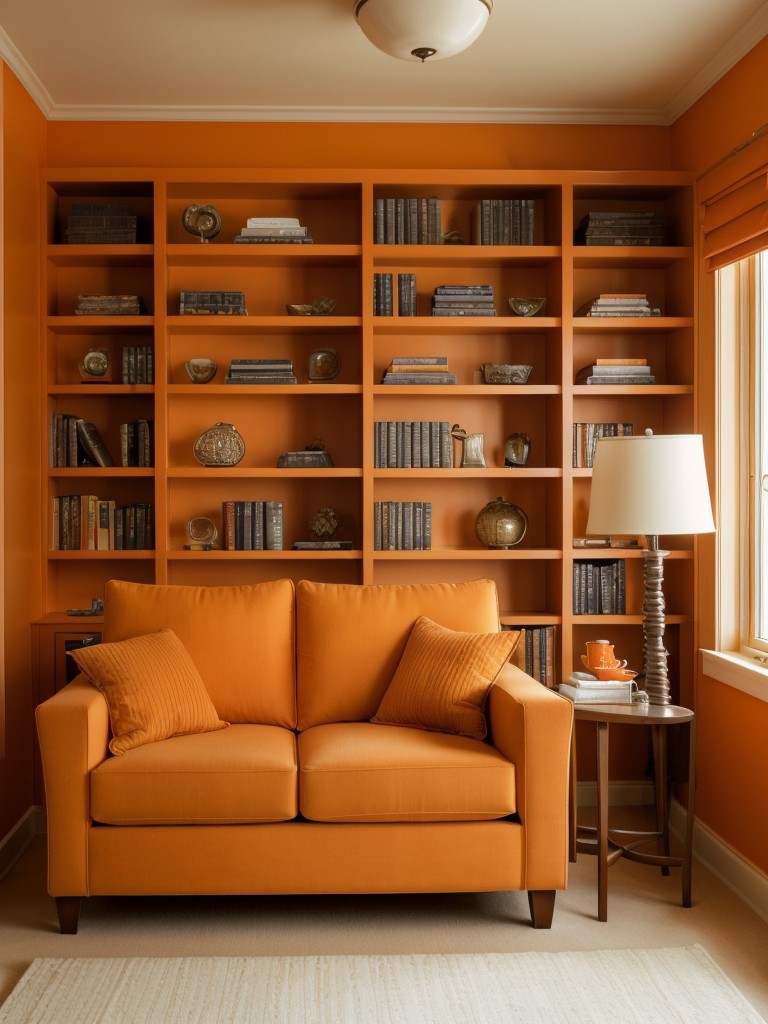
{"x":535,"y":578}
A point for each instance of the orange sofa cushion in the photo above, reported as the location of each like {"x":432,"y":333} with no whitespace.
{"x":443,"y":679}
{"x":151,"y":687}
{"x":350,"y":638}
{"x":244,"y":774}
{"x":360,"y":772}
{"x":241,"y":638}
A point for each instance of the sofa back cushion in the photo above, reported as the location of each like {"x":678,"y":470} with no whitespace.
{"x":350,"y":638}
{"x":240,"y":638}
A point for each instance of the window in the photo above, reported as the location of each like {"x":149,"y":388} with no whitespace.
{"x":742,"y":323}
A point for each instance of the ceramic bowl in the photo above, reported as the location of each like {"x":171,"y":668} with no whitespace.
{"x":506,"y":373}
{"x":200,"y":371}
{"x":526,"y":307}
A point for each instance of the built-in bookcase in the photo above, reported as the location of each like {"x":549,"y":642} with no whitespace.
{"x":535,"y":578}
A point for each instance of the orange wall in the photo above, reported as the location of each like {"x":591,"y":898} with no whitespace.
{"x":24,"y":149}
{"x":733,"y":726}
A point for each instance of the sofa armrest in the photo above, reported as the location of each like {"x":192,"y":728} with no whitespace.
{"x":73,"y":729}
{"x":531,"y":726}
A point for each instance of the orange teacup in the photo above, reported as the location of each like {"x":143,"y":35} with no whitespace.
{"x":600,"y":655}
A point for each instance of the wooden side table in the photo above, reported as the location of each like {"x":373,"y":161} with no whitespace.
{"x":611,"y":844}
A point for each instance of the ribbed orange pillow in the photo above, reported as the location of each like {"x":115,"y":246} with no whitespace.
{"x":151,"y":687}
{"x":443,"y":679}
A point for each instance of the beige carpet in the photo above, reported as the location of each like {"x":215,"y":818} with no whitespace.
{"x":653,"y":986}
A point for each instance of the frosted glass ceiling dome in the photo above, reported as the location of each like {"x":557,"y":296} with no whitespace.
{"x":421,"y":29}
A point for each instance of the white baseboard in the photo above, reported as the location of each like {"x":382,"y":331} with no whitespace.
{"x":13,"y":845}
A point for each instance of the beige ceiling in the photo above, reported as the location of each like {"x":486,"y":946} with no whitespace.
{"x":612,"y":61}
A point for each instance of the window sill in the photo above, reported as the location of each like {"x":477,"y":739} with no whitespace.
{"x":737,"y":671}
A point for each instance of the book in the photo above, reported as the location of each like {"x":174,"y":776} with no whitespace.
{"x":616,"y":693}
{"x":93,"y":447}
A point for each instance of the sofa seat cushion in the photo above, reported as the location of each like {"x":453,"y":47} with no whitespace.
{"x":243,"y":774}
{"x":361,"y":772}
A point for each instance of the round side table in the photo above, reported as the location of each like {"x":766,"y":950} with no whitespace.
{"x":611,"y":844}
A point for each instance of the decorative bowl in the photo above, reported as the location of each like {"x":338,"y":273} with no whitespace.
{"x":200,"y":371}
{"x":322,"y":306}
{"x":506,"y":373}
{"x":526,"y":307}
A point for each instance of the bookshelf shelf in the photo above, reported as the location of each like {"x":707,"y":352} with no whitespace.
{"x":534,"y":579}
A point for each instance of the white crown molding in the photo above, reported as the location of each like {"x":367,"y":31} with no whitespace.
{"x":18,"y":65}
{"x":749,"y":35}
{"x":399,"y":115}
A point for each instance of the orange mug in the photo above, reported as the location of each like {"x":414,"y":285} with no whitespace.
{"x":600,"y":655}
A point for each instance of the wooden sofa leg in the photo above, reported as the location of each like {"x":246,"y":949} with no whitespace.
{"x":542,"y":905}
{"x":68,"y":909}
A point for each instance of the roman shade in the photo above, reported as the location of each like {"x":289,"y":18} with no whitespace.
{"x":734,"y":197}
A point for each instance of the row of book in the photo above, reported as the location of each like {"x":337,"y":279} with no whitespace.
{"x":85,"y":522}
{"x":402,"y":444}
{"x":383,"y":294}
{"x":463,"y":300}
{"x":252,"y":525}
{"x":619,"y":304}
{"x":621,"y":227}
{"x":402,"y":525}
{"x":104,"y":223}
{"x":138,"y":364}
{"x":504,"y":222}
{"x":616,"y":371}
{"x":74,"y":441}
{"x":599,"y":588}
{"x":419,"y":370}
{"x":536,"y":652}
{"x":272,"y":230}
{"x":108,"y":305}
{"x":261,"y":371}
{"x":407,"y":221}
{"x":586,"y":435}
{"x":222,"y":303}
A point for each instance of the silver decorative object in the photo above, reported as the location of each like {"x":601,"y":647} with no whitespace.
{"x":204,"y":221}
{"x":500,"y":524}
{"x":220,"y":445}
{"x":526,"y":307}
{"x":200,"y":371}
{"x":517,"y":449}
{"x":506,"y":373}
{"x":472,"y":454}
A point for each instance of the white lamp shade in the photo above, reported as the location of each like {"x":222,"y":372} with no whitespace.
{"x":649,"y":484}
{"x":398,"y":27}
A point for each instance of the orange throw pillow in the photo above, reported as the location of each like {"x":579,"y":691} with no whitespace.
{"x":151,"y":687}
{"x":443,"y":679}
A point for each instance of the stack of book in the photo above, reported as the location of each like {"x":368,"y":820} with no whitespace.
{"x":253,"y":525}
{"x":85,"y":522}
{"x":599,"y":588}
{"x":622,"y":227}
{"x":212,"y":303}
{"x":138,"y":364}
{"x":100,"y":223}
{"x":108,"y":305}
{"x":503,"y":222}
{"x":424,"y":444}
{"x":418,"y":370}
{"x":137,"y":443}
{"x":619,"y":304}
{"x":74,"y":442}
{"x":584,"y":688}
{"x":411,"y":221}
{"x":616,"y":371}
{"x":536,"y":652}
{"x":269,"y":230}
{"x":585,"y":436}
{"x":463,"y":300}
{"x":402,"y":525}
{"x":261,"y":371}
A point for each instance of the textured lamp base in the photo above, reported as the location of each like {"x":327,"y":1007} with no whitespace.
{"x":654,"y":652}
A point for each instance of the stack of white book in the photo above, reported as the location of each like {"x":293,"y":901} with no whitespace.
{"x":268,"y":230}
{"x":584,"y":688}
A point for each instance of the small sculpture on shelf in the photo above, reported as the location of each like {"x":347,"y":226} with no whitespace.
{"x":323,"y":525}
{"x":472,"y":454}
{"x":94,"y":364}
{"x":202,"y":533}
{"x":322,"y":306}
{"x":220,"y":445}
{"x":324,"y":366}
{"x":314,"y":456}
{"x":500,"y":524}
{"x":517,"y":449}
{"x":204,"y":221}
{"x":201,"y":371}
{"x":525,"y":306}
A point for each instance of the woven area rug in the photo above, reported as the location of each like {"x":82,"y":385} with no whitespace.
{"x":652,"y":986}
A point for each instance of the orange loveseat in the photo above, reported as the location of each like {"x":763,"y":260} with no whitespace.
{"x":302,"y":792}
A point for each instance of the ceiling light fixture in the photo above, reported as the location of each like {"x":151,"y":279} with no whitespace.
{"x":421,"y":29}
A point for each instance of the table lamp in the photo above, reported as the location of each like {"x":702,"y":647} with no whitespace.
{"x":652,"y":484}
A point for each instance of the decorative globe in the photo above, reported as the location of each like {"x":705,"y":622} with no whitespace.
{"x":500,"y":524}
